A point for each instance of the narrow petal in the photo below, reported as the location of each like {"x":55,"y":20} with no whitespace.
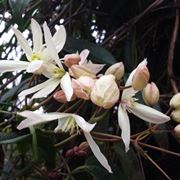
{"x":59,"y":38}
{"x":97,"y":152}
{"x":34,"y":66}
{"x":123,"y":121}
{"x":50,"y":45}
{"x":66,"y":86}
{"x":23,"y":43}
{"x":95,"y":68}
{"x":84,"y":54}
{"x":149,"y":114}
{"x":37,"y":35}
{"x":49,"y":88}
{"x":34,"y":118}
{"x":9,"y":65}
{"x":35,"y":88}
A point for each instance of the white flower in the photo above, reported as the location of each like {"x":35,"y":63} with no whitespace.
{"x":41,"y":53}
{"x":34,"y":118}
{"x":128,"y":103}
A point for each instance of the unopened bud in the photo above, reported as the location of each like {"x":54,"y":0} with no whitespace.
{"x":105,"y":92}
{"x":117,"y":70}
{"x":80,"y":70}
{"x":71,"y":59}
{"x":84,"y":146}
{"x":177,"y":130}
{"x":151,"y":94}
{"x":175,"y":101}
{"x":60,"y":97}
{"x":140,"y":78}
{"x":176,"y":115}
{"x":83,"y":86}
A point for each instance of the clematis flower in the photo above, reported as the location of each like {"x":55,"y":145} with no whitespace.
{"x":128,"y":104}
{"x":66,"y":122}
{"x":41,"y":54}
{"x":84,"y":67}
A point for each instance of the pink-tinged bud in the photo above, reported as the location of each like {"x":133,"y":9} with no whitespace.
{"x":71,"y":59}
{"x":82,"y":87}
{"x":80,"y":70}
{"x":140,"y":78}
{"x":175,"y":115}
{"x":175,"y":101}
{"x":151,"y":94}
{"x":84,"y":146}
{"x":117,"y":70}
{"x":105,"y":92}
{"x":177,"y":130}
{"x":60,"y":97}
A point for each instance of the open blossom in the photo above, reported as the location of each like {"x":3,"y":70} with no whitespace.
{"x":105,"y":92}
{"x":129,"y":104}
{"x":41,"y":54}
{"x":66,"y":122}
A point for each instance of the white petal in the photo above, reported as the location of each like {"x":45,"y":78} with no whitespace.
{"x":49,"y":88}
{"x":34,"y":118}
{"x":123,"y":121}
{"x":23,"y":43}
{"x":37,"y":35}
{"x":84,"y":54}
{"x":149,"y":114}
{"x":95,"y":68}
{"x":9,"y":65}
{"x":50,"y":45}
{"x":35,"y":88}
{"x":66,"y":86}
{"x":59,"y":38}
{"x":34,"y":66}
{"x":129,"y":92}
{"x":60,"y":125}
{"x":97,"y":152}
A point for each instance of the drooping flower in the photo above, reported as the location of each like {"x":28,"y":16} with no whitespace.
{"x":41,"y":54}
{"x":128,"y":104}
{"x":34,"y":118}
{"x":105,"y":92}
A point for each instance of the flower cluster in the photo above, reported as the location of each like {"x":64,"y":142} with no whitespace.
{"x":79,"y":78}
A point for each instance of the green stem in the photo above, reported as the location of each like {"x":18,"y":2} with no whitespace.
{"x":34,"y":142}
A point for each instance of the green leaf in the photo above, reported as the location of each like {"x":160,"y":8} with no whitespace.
{"x":130,"y":163}
{"x":8,"y":138}
{"x":97,"y":53}
{"x":18,"y":8}
{"x":93,"y":167}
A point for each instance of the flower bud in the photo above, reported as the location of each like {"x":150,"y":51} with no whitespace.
{"x":71,"y":59}
{"x":151,"y":94}
{"x":177,"y":130}
{"x":60,"y":96}
{"x":80,"y":70}
{"x":84,"y":146}
{"x":175,"y":115}
{"x":82,"y":87}
{"x":117,"y":70}
{"x":175,"y":101}
{"x":105,"y":92}
{"x":140,"y":78}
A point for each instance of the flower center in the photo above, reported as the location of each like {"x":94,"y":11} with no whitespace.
{"x":58,"y":72}
{"x":70,"y":126}
{"x":35,"y":57}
